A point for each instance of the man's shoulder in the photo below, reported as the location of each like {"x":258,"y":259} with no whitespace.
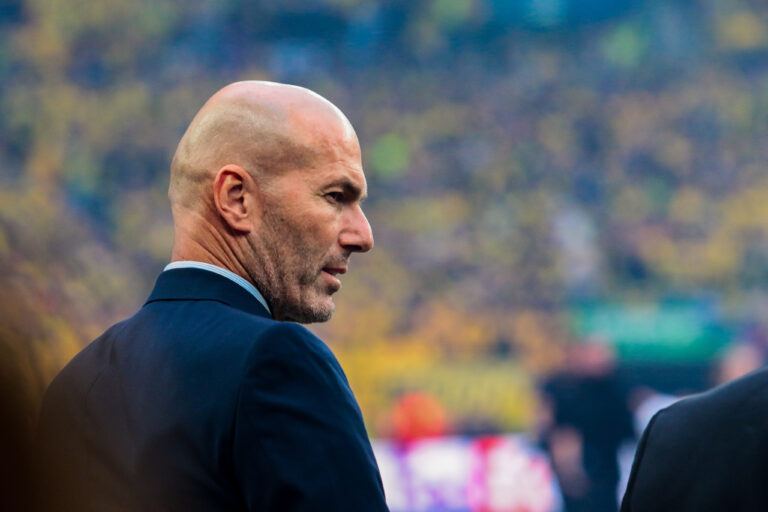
{"x":172,"y":330}
{"x":223,"y":329}
{"x":751,"y":388}
{"x":206,"y":321}
{"x":705,"y":449}
{"x":292,"y":341}
{"x":722,"y":410}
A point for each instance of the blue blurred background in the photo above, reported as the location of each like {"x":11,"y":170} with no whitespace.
{"x":569,"y":200}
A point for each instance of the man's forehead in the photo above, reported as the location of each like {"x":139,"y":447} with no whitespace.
{"x":321,"y":117}
{"x":320,"y":122}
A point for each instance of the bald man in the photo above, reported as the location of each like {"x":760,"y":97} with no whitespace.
{"x":211,"y":397}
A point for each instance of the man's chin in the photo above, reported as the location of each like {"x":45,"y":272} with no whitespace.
{"x":319,"y":311}
{"x":323,"y":311}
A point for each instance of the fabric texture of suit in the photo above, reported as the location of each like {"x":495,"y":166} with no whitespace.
{"x":201,"y":401}
{"x":706,"y":453}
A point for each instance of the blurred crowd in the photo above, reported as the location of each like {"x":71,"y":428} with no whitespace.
{"x":524,"y":159}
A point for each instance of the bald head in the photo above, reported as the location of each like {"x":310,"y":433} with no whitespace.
{"x":263,"y":127}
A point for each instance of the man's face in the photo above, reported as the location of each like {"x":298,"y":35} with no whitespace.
{"x":311,"y":223}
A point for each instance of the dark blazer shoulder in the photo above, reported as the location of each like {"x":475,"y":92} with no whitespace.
{"x":297,"y":347}
{"x":719,"y":405}
{"x":299,"y":438}
{"x":291,"y":337}
{"x":705,"y":452}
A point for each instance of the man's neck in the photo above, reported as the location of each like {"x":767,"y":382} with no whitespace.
{"x":198,"y":240}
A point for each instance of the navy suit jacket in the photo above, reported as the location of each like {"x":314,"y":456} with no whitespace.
{"x":201,"y":401}
{"x":707,"y":453}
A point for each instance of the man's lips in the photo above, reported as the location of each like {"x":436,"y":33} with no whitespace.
{"x":335,"y":270}
{"x":332,"y":272}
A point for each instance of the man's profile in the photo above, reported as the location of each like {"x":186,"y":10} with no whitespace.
{"x":207,"y":398}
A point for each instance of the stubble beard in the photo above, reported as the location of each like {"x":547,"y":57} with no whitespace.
{"x":284,"y":271}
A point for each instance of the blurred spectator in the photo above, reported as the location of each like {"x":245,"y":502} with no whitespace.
{"x":736,"y":361}
{"x":418,"y":415}
{"x":586,"y":419}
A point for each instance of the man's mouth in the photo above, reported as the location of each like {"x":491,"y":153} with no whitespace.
{"x":335,"y":270}
{"x":332,"y":272}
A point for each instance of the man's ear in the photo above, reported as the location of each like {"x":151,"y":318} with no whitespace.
{"x":235,"y":197}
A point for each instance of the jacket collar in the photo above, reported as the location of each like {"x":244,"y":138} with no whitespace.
{"x":197,"y":284}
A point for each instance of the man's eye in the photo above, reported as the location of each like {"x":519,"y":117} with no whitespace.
{"x":335,"y":197}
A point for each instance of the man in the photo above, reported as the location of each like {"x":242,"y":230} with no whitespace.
{"x":207,"y":398}
{"x":706,"y":453}
{"x":585,"y":421}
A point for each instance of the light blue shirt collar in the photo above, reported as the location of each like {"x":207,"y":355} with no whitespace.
{"x":224,"y":273}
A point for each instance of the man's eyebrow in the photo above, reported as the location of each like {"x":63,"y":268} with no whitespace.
{"x":350,"y":188}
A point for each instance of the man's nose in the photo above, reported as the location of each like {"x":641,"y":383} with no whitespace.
{"x":356,"y":234}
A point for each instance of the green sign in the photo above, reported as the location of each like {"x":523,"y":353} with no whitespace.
{"x":681,"y":332}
